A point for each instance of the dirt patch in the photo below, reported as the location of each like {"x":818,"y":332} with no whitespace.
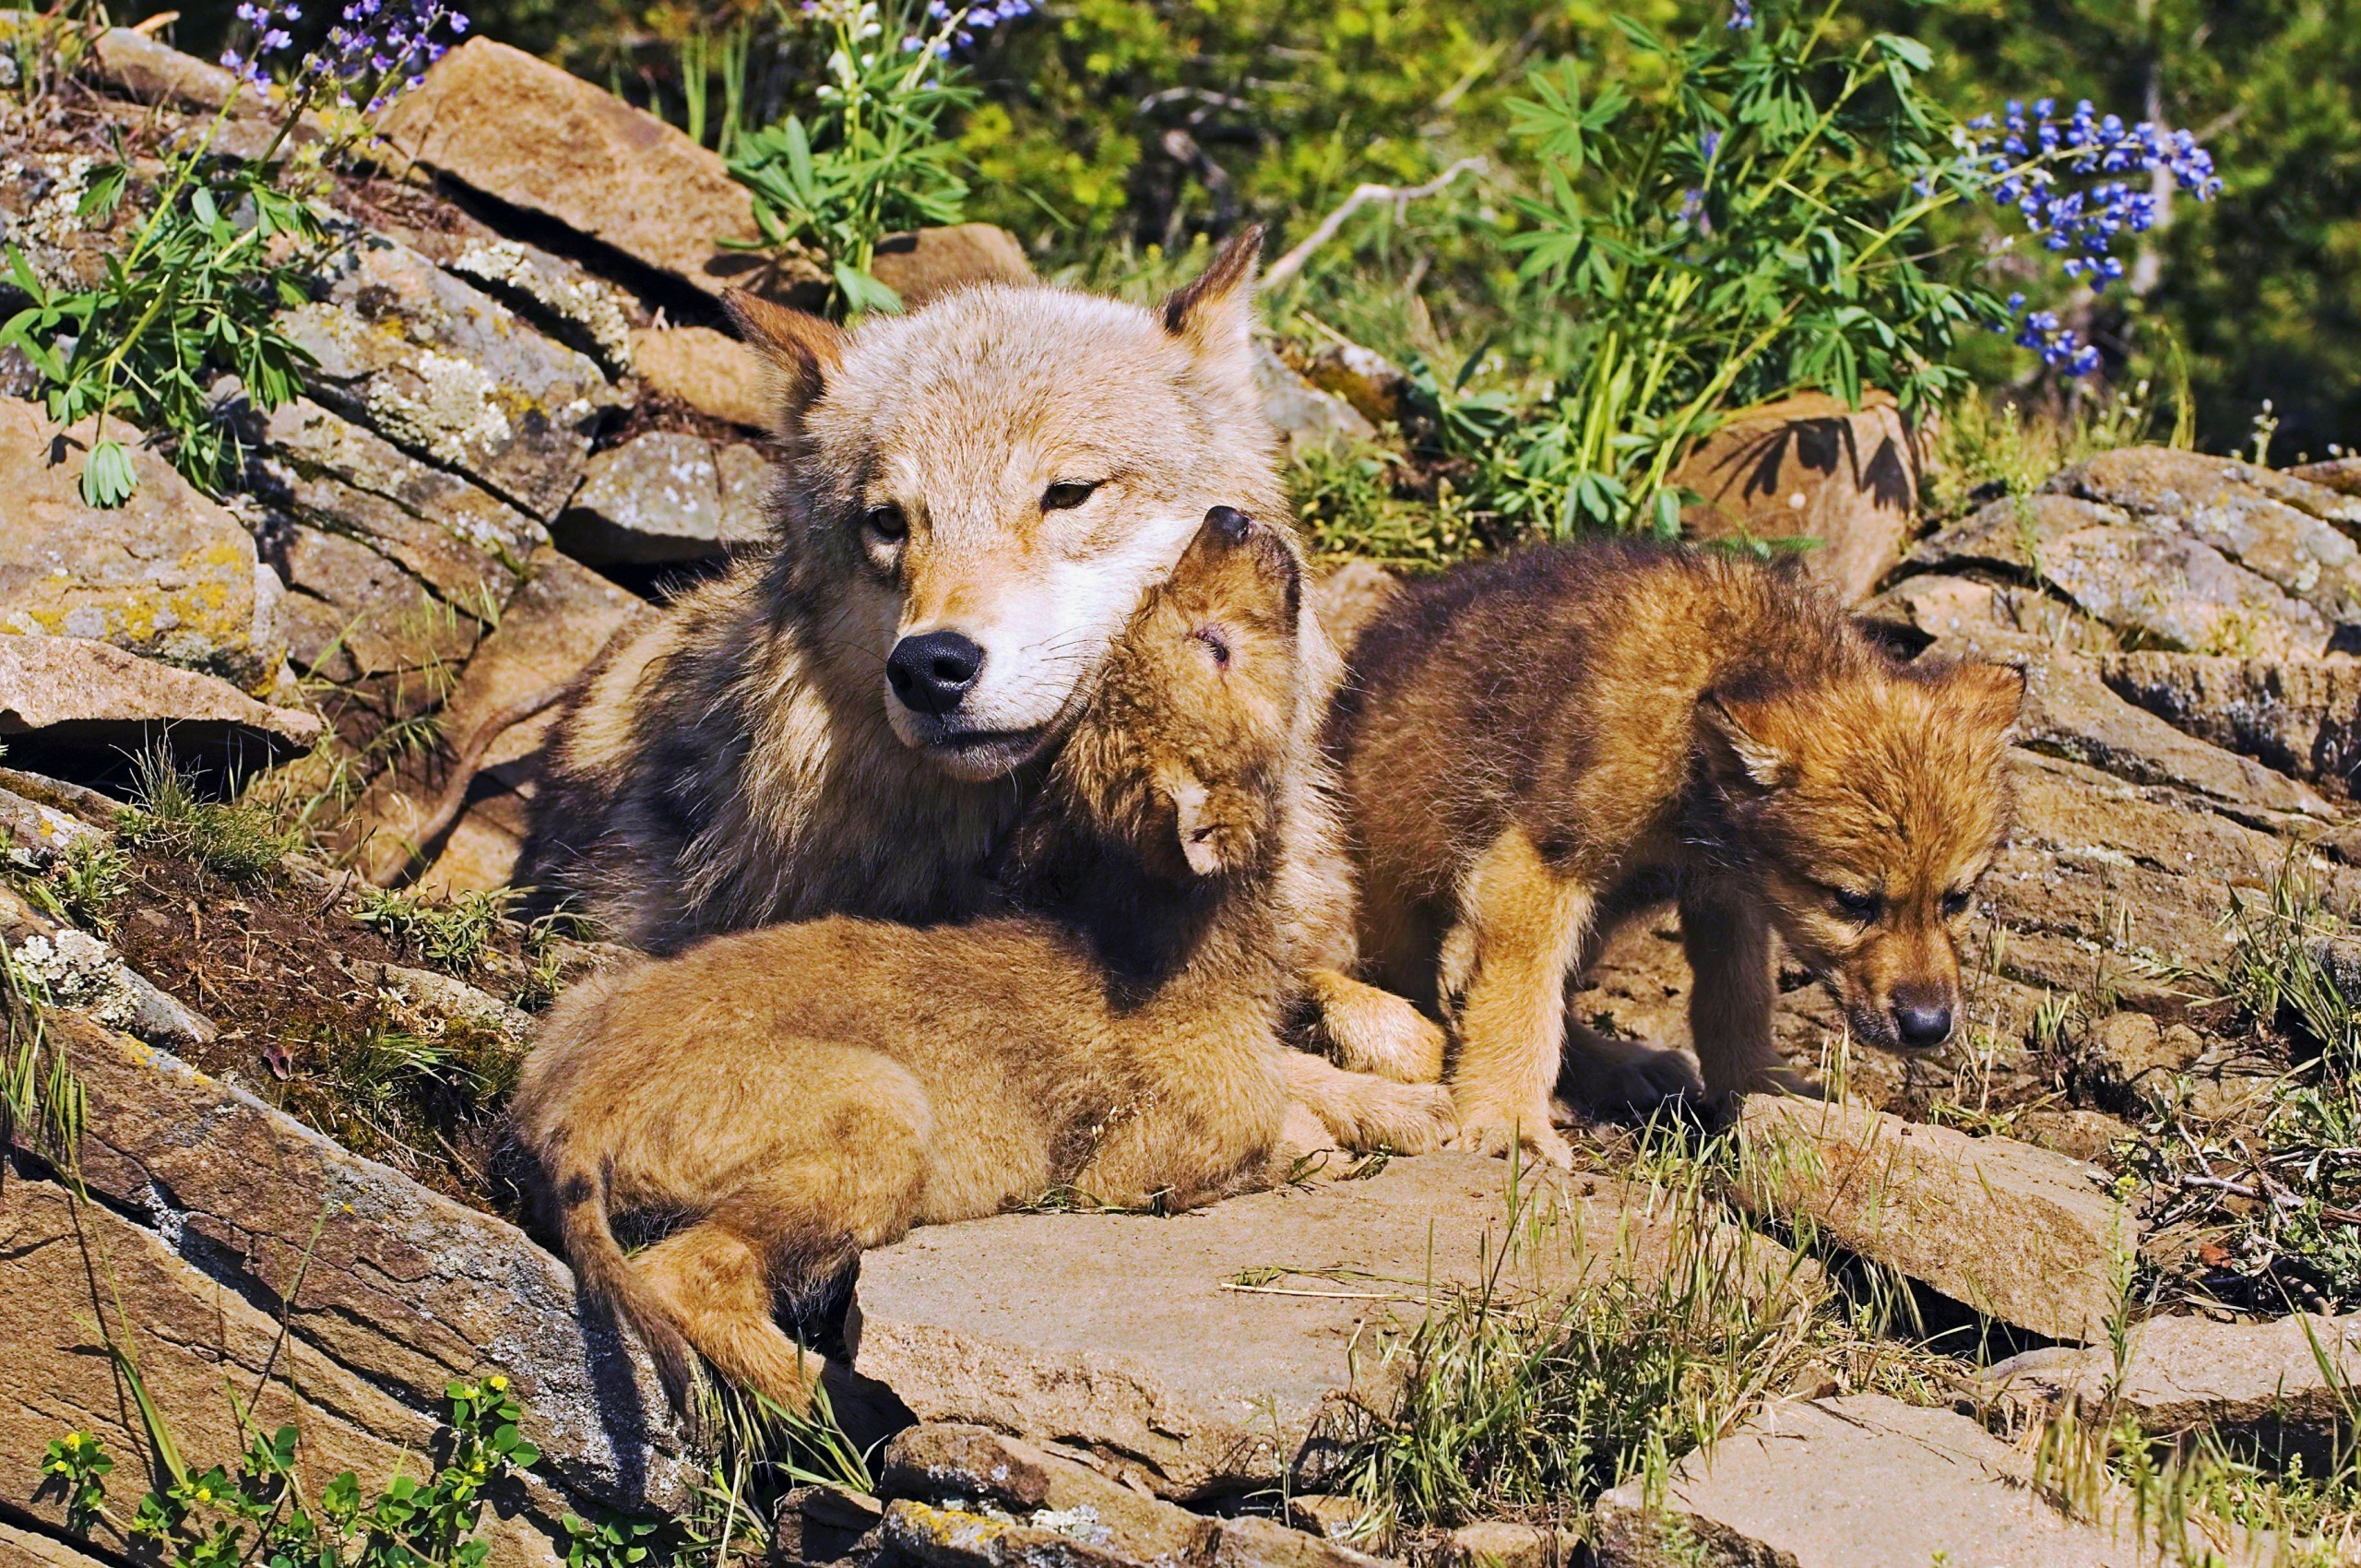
{"x":291,"y":978}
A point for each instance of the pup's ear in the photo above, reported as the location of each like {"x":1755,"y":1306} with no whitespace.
{"x":1213,"y":313}
{"x":1744,"y":746}
{"x":802,"y":349}
{"x":1993,"y":693}
{"x":1210,"y":842}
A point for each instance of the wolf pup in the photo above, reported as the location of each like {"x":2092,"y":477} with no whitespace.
{"x":801,"y":1092}
{"x":1536,"y":747}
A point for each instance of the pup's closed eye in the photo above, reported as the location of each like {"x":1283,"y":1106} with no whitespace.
{"x":1217,"y":642}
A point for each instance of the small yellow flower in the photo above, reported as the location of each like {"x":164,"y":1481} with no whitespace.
{"x":496,"y":1382}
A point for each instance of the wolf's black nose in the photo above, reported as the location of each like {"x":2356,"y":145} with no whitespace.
{"x":1921,"y":1027}
{"x":1234,"y":524}
{"x":933,"y":672}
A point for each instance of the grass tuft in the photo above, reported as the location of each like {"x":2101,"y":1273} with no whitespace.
{"x":168,"y":813}
{"x":453,"y":933}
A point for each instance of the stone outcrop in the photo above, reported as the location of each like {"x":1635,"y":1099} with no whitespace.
{"x":397,"y":1288}
{"x":527,"y":134}
{"x":1303,"y":415}
{"x":931,"y":263}
{"x":717,"y":376}
{"x":559,"y":622}
{"x":444,"y":371}
{"x":665,"y":498}
{"x":2016,"y":1232}
{"x":1811,"y":468}
{"x":2301,"y":716}
{"x":68,"y":1267}
{"x":169,"y":574}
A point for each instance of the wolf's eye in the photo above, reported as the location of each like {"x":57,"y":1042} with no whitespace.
{"x":1954,"y":905}
{"x":1853,"y":906}
{"x":1214,"y":638}
{"x":886,"y":523}
{"x":1067,"y":494}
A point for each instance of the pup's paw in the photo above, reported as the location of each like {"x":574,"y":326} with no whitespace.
{"x":1375,"y":1031}
{"x":1626,"y":1078}
{"x":1493,"y":1131}
{"x":1404,"y":1118}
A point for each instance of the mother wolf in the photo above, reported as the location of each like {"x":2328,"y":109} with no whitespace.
{"x":975,"y":498}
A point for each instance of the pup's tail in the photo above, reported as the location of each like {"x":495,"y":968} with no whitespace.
{"x":608,"y":1278}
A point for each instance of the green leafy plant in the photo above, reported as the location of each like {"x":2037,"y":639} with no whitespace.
{"x":261,"y":1511}
{"x":194,"y":296}
{"x":1761,"y":225}
{"x":225,"y":245}
{"x":872,"y":161}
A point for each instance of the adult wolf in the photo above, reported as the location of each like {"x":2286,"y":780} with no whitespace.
{"x":974,"y":500}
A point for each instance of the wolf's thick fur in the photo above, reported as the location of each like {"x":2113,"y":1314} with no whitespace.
{"x":747,"y":760}
{"x":1018,"y":465}
{"x":803,"y":1092}
{"x":1539,"y":746}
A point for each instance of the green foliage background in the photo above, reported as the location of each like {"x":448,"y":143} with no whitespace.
{"x":1294,"y":101}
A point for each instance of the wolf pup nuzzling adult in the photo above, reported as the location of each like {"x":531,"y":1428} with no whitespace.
{"x":794,"y":1095}
{"x":1536,"y":747}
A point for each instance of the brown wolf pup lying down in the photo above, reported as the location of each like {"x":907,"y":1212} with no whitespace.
{"x":801,"y":1092}
{"x":1536,"y":747}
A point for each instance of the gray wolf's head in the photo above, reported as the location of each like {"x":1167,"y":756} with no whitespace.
{"x":979,"y":494}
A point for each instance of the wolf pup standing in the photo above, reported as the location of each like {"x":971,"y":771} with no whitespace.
{"x":800,"y":1093}
{"x":1536,"y":747}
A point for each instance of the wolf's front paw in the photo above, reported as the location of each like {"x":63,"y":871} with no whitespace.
{"x":1494,"y":1130}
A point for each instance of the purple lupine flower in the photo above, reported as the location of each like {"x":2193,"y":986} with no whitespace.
{"x":1741,"y":15}
{"x":959,"y":29}
{"x":376,"y":49}
{"x":2019,"y":155}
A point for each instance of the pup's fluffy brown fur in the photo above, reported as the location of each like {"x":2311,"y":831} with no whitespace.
{"x":1537,"y":746}
{"x":801,"y":1092}
{"x":1045,"y":457}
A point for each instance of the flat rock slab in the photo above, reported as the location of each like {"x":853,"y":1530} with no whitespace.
{"x":2018,"y":1233}
{"x":1860,"y":1482}
{"x":168,"y":572}
{"x":526,"y":133}
{"x":401,"y":1288}
{"x":2261,"y":1383}
{"x":929,"y":263}
{"x":76,"y":692}
{"x":1201,"y":1353}
{"x":66,"y":1268}
{"x":712,"y":373}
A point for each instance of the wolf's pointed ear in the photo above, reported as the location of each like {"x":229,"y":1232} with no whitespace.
{"x":1744,"y":755}
{"x":802,"y":349}
{"x":1213,"y":313}
{"x":1994,"y":693}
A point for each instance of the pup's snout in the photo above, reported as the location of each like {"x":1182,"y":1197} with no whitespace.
{"x":1921,"y":1025}
{"x":933,"y":672}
